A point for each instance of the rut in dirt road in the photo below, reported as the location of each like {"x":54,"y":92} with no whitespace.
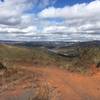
{"x":56,"y":84}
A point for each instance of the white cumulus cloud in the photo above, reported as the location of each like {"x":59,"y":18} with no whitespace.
{"x":19,"y":22}
{"x":77,"y":18}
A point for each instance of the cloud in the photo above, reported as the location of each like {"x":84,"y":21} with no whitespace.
{"x":14,"y":14}
{"x":11,"y":11}
{"x":58,"y":29}
{"x":18,"y":21}
{"x":77,"y":18}
{"x":17,"y":30}
{"x":70,"y":12}
{"x":14,"y":21}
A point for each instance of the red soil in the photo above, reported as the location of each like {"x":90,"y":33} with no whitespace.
{"x":64,"y":85}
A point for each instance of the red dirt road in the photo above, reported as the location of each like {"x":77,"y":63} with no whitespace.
{"x":62,"y":85}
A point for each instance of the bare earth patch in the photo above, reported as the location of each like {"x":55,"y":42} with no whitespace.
{"x":40,"y":83}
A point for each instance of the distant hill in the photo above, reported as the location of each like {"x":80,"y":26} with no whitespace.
{"x":80,"y":56}
{"x":50,"y":44}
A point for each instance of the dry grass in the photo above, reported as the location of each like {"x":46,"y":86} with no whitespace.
{"x":11,"y":55}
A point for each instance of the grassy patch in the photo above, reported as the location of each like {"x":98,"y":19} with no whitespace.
{"x":88,"y":56}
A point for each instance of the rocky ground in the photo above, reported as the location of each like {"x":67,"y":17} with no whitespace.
{"x":50,"y":83}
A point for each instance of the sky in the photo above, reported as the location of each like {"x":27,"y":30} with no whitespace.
{"x":50,"y":20}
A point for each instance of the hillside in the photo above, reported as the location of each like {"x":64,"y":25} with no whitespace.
{"x":39,"y":74}
{"x":78,"y":58}
{"x":15,"y":54}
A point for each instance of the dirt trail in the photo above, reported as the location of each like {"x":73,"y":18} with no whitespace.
{"x":59,"y":84}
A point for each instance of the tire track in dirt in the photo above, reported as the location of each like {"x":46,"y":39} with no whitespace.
{"x":64,"y":85}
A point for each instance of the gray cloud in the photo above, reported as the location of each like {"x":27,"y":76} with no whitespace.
{"x":16,"y":21}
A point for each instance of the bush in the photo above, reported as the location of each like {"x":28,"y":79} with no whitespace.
{"x":2,"y":66}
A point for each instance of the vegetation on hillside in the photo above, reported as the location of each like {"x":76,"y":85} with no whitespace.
{"x":87,"y":56}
